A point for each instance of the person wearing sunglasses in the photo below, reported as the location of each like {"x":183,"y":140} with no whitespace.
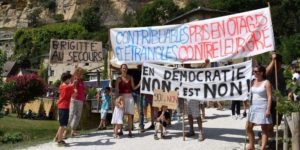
{"x":260,"y":110}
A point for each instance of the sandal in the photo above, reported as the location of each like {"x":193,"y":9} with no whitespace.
{"x":130,"y":135}
{"x":248,"y":147}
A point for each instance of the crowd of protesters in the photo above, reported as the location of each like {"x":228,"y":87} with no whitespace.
{"x":262,"y":109}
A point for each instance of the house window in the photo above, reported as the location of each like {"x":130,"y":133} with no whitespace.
{"x":51,"y":73}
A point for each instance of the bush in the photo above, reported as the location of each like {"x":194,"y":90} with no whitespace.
{"x":58,"y":17}
{"x":12,"y":138}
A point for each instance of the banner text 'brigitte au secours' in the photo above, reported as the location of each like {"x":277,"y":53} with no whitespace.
{"x":220,"y":83}
{"x":72,"y":51}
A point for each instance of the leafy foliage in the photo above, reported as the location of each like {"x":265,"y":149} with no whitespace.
{"x":290,"y":47}
{"x":2,"y":89}
{"x":33,"y":43}
{"x":12,"y":138}
{"x":285,"y":104}
{"x":43,"y":72}
{"x":157,"y":13}
{"x":34,"y":18}
{"x":27,"y":88}
{"x":50,"y":4}
{"x":91,"y":19}
{"x":3,"y":59}
{"x":58,"y":17}
{"x":5,"y":88}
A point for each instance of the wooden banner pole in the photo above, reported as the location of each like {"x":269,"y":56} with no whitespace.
{"x":183,"y":125}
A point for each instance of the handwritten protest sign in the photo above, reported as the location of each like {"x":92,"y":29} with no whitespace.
{"x":169,"y":99}
{"x":220,"y":83}
{"x":229,"y":37}
{"x":70,"y":51}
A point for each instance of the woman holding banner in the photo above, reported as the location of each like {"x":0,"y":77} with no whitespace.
{"x":260,"y":110}
{"x":124,"y":87}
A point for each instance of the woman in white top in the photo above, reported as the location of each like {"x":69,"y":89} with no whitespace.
{"x":260,"y":107}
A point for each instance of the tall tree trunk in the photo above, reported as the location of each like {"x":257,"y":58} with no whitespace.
{"x":294,"y":124}
{"x":22,"y":110}
{"x":17,"y":107}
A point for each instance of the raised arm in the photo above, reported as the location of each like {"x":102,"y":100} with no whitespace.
{"x":271,"y":65}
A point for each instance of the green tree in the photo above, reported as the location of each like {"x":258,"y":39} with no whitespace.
{"x":157,"y":12}
{"x":27,"y":88}
{"x":43,"y":72}
{"x":90,"y":19}
{"x":2,"y":87}
{"x":34,"y":18}
{"x":3,"y":59}
{"x":33,"y":43}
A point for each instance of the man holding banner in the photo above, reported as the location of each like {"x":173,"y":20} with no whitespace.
{"x":193,"y":110}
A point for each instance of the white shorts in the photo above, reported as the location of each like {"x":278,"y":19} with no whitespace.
{"x":128,"y":104}
{"x":193,"y":108}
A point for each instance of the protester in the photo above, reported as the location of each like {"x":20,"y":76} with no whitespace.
{"x":162,"y":120}
{"x":105,"y":105}
{"x":124,"y":87}
{"x":148,"y":101}
{"x":193,"y":110}
{"x":63,"y":104}
{"x":245,"y":106}
{"x":77,"y":101}
{"x":117,"y":117}
{"x":295,"y":73}
{"x":270,"y":72}
{"x":260,"y":110}
{"x":296,"y":80}
{"x":236,"y":108}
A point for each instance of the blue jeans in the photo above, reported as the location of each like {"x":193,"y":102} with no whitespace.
{"x":139,"y":99}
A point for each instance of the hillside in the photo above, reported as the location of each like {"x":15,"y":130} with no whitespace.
{"x":16,"y":13}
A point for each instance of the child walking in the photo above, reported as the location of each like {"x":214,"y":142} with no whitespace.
{"x":105,"y":104}
{"x":66,"y":90}
{"x":117,"y":118}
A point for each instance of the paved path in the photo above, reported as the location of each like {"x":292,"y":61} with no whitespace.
{"x":221,"y":132}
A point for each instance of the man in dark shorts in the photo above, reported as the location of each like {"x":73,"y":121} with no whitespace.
{"x":66,"y":90}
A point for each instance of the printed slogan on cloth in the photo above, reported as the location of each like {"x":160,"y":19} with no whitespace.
{"x":229,"y":37}
{"x":72,"y":51}
{"x":220,"y":83}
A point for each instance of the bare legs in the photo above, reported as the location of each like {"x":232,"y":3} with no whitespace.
{"x":250,"y":133}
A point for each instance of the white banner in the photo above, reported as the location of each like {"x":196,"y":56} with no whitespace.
{"x":75,"y":51}
{"x":221,"y":83}
{"x":229,"y":37}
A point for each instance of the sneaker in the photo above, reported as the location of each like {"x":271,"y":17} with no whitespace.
{"x":142,"y":130}
{"x":240,"y":117}
{"x":62,"y":143}
{"x":234,"y":117}
{"x":244,"y":114}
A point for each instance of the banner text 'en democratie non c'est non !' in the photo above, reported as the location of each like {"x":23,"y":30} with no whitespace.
{"x":221,"y":83}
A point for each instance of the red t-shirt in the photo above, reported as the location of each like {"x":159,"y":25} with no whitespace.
{"x":80,"y":91}
{"x":66,"y":91}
